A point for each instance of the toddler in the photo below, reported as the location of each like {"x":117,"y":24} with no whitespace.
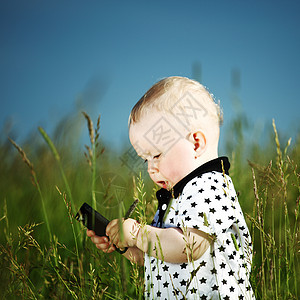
{"x":198,"y":245}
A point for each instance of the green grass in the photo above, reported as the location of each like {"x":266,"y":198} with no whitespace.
{"x":44,"y":252}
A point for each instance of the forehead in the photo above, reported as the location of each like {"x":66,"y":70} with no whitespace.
{"x":156,"y":132}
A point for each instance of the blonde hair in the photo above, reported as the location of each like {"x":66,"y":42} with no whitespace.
{"x":178,"y":94}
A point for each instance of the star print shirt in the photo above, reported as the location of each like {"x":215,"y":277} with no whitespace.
{"x":205,"y":200}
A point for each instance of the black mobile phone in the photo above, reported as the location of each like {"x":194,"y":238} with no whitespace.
{"x":93,"y":220}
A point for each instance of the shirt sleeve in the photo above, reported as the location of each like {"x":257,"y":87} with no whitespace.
{"x":208,"y":203}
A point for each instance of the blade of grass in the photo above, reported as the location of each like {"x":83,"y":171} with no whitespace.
{"x":92,"y":155}
{"x":36,"y":183}
{"x":57,"y":158}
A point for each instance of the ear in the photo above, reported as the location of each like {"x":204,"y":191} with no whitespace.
{"x":199,"y":141}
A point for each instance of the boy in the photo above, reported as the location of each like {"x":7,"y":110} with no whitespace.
{"x":198,"y":245}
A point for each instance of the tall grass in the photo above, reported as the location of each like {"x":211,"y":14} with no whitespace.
{"x":44,"y":253}
{"x":275,"y":225}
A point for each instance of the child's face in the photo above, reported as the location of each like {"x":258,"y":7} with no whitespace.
{"x":170,"y":157}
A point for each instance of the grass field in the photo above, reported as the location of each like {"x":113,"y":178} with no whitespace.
{"x":44,"y":252}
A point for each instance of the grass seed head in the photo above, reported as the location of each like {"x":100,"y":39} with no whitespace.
{"x":90,"y":127}
{"x":23,"y":155}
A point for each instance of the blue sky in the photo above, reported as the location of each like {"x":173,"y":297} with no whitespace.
{"x":61,"y":57}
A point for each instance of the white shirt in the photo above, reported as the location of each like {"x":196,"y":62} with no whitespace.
{"x":208,"y":202}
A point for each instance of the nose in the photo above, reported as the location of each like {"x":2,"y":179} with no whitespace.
{"x":152,"y":167}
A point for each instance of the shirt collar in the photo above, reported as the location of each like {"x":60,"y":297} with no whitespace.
{"x":220,"y":164}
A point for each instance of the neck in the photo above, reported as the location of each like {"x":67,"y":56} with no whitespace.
{"x":209,"y":154}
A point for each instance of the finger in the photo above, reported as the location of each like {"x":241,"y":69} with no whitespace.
{"x":102,"y":246}
{"x":110,"y":250}
{"x":111,"y":226}
{"x":99,"y":239}
{"x":113,"y":233}
{"x":106,"y":249}
{"x":90,"y":233}
{"x":114,"y":239}
{"x":118,"y":241}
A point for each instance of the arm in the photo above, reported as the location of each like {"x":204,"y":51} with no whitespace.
{"x":134,"y":254}
{"x":169,"y":244}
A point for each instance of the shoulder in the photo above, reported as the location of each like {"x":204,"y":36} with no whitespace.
{"x":208,"y":182}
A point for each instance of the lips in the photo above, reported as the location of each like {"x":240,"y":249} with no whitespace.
{"x":162,"y":184}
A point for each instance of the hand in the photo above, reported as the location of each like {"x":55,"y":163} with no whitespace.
{"x":125,"y":236}
{"x":101,"y":242}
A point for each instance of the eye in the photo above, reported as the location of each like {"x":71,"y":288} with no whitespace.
{"x":157,"y":156}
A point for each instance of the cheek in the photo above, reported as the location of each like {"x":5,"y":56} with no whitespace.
{"x":168,"y":168}
{"x":177,"y":164}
